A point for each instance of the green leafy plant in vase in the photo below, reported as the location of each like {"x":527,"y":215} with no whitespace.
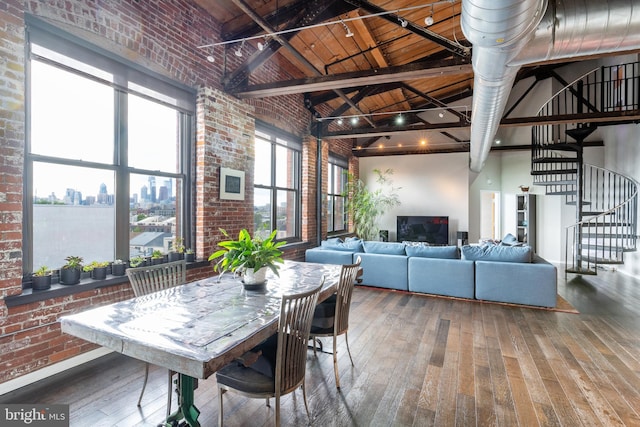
{"x":249,"y":256}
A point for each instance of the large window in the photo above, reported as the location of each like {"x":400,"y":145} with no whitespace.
{"x":336,"y":187}
{"x":276,"y":184}
{"x":106,"y":154}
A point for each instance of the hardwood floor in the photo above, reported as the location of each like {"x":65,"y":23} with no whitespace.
{"x":420,"y":361}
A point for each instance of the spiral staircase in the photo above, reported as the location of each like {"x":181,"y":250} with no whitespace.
{"x":606,"y":202}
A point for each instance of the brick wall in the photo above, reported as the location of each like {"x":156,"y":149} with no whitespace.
{"x":161,"y":36}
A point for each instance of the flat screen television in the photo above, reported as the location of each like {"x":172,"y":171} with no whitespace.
{"x":430,"y":229}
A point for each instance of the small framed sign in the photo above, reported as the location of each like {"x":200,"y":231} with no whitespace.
{"x":231,"y":184}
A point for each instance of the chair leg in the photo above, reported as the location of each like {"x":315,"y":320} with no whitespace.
{"x":313,"y":341}
{"x":169,"y":393}
{"x":335,"y":361}
{"x":277,"y":410}
{"x":144,"y":385}
{"x":346,"y":338}
{"x":220,"y":393}
{"x":306,"y":406}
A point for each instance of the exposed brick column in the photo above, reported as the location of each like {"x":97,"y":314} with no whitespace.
{"x":224,"y":138}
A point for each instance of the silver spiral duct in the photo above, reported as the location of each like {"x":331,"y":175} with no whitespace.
{"x":507,"y":34}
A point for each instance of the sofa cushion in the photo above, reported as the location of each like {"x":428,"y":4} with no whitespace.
{"x":386,"y":248}
{"x":352,"y":244}
{"x":497,"y":253}
{"x":443,"y":252}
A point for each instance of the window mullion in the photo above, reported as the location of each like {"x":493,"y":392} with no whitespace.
{"x":121,"y":121}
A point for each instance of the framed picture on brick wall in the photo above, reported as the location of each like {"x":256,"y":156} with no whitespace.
{"x":231,"y":184}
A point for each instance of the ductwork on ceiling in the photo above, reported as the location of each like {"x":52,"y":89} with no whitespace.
{"x":509,"y":34}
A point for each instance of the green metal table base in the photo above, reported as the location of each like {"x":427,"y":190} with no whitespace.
{"x":187,"y":413}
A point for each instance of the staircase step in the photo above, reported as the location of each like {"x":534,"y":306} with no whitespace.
{"x":555,"y":172}
{"x":557,"y":182}
{"x":580,"y":270}
{"x":606,"y":261}
{"x":584,"y":203}
{"x":559,"y":146}
{"x":544,"y":160}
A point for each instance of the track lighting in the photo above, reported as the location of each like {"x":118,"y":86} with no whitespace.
{"x":260,"y":46}
{"x":403,"y":22}
{"x":399,"y":119}
{"x":211,"y":58}
{"x":238,"y":52}
{"x":428,"y":21}
{"x":347,"y":30}
{"x":441,"y":114}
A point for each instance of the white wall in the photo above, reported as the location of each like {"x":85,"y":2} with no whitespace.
{"x":431,"y":184}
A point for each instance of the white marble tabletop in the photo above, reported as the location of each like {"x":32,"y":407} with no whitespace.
{"x":197,"y":328}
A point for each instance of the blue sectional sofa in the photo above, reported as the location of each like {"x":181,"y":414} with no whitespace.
{"x":511,"y":274}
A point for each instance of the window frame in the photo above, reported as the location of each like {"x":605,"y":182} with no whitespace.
{"x":295,"y":145}
{"x":129,"y":78}
{"x":336,"y":161}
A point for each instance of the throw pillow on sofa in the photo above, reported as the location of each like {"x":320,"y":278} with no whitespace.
{"x":352,"y":244}
{"x":387,"y":248}
{"x":497,"y":253}
{"x":442,"y":252}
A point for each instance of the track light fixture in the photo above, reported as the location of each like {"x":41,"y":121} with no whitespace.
{"x":403,"y":22}
{"x":428,"y":21}
{"x":238,"y":52}
{"x":211,"y":58}
{"x":346,"y":29}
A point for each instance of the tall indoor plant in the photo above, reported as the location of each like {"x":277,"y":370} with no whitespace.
{"x":248,"y":255}
{"x":365,"y":206}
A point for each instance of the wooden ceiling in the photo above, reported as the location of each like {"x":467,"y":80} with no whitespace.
{"x":394,"y":63}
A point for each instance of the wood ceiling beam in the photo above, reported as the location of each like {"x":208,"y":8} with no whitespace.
{"x":392,"y":74}
{"x":285,"y":43}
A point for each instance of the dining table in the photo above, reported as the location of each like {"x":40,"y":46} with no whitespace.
{"x":197,"y":328}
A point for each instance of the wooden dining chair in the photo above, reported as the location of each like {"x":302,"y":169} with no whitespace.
{"x":331,"y":316}
{"x":154,"y":278}
{"x":296,"y":312}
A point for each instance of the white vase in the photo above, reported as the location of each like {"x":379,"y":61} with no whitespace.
{"x":252,"y":277}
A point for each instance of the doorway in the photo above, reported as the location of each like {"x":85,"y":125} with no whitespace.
{"x":489,"y":215}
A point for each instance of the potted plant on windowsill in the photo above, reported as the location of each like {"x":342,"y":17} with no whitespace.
{"x":157,"y":257}
{"x":248,"y":256}
{"x":137,"y":261}
{"x":98,"y":270}
{"x":177,"y":251}
{"x":189,"y":255}
{"x":70,"y":272}
{"x":118,"y":267}
{"x":41,"y":279}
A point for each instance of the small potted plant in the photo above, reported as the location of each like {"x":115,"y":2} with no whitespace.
{"x":138,"y":261}
{"x":118,"y":267}
{"x":177,"y":251}
{"x":189,"y":255}
{"x":157,"y":257}
{"x":249,"y":256}
{"x":98,"y":270}
{"x":70,"y":272}
{"x":41,"y":279}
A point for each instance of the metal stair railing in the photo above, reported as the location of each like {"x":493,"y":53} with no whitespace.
{"x":606,"y":202}
{"x":611,"y":226}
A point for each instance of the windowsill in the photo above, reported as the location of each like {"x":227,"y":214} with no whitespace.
{"x":28,"y":295}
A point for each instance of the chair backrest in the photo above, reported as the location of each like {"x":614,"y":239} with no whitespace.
{"x":296,"y":314}
{"x":153,"y":278}
{"x":348,"y":276}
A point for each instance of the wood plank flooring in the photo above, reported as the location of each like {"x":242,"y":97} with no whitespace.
{"x":419,"y":361}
